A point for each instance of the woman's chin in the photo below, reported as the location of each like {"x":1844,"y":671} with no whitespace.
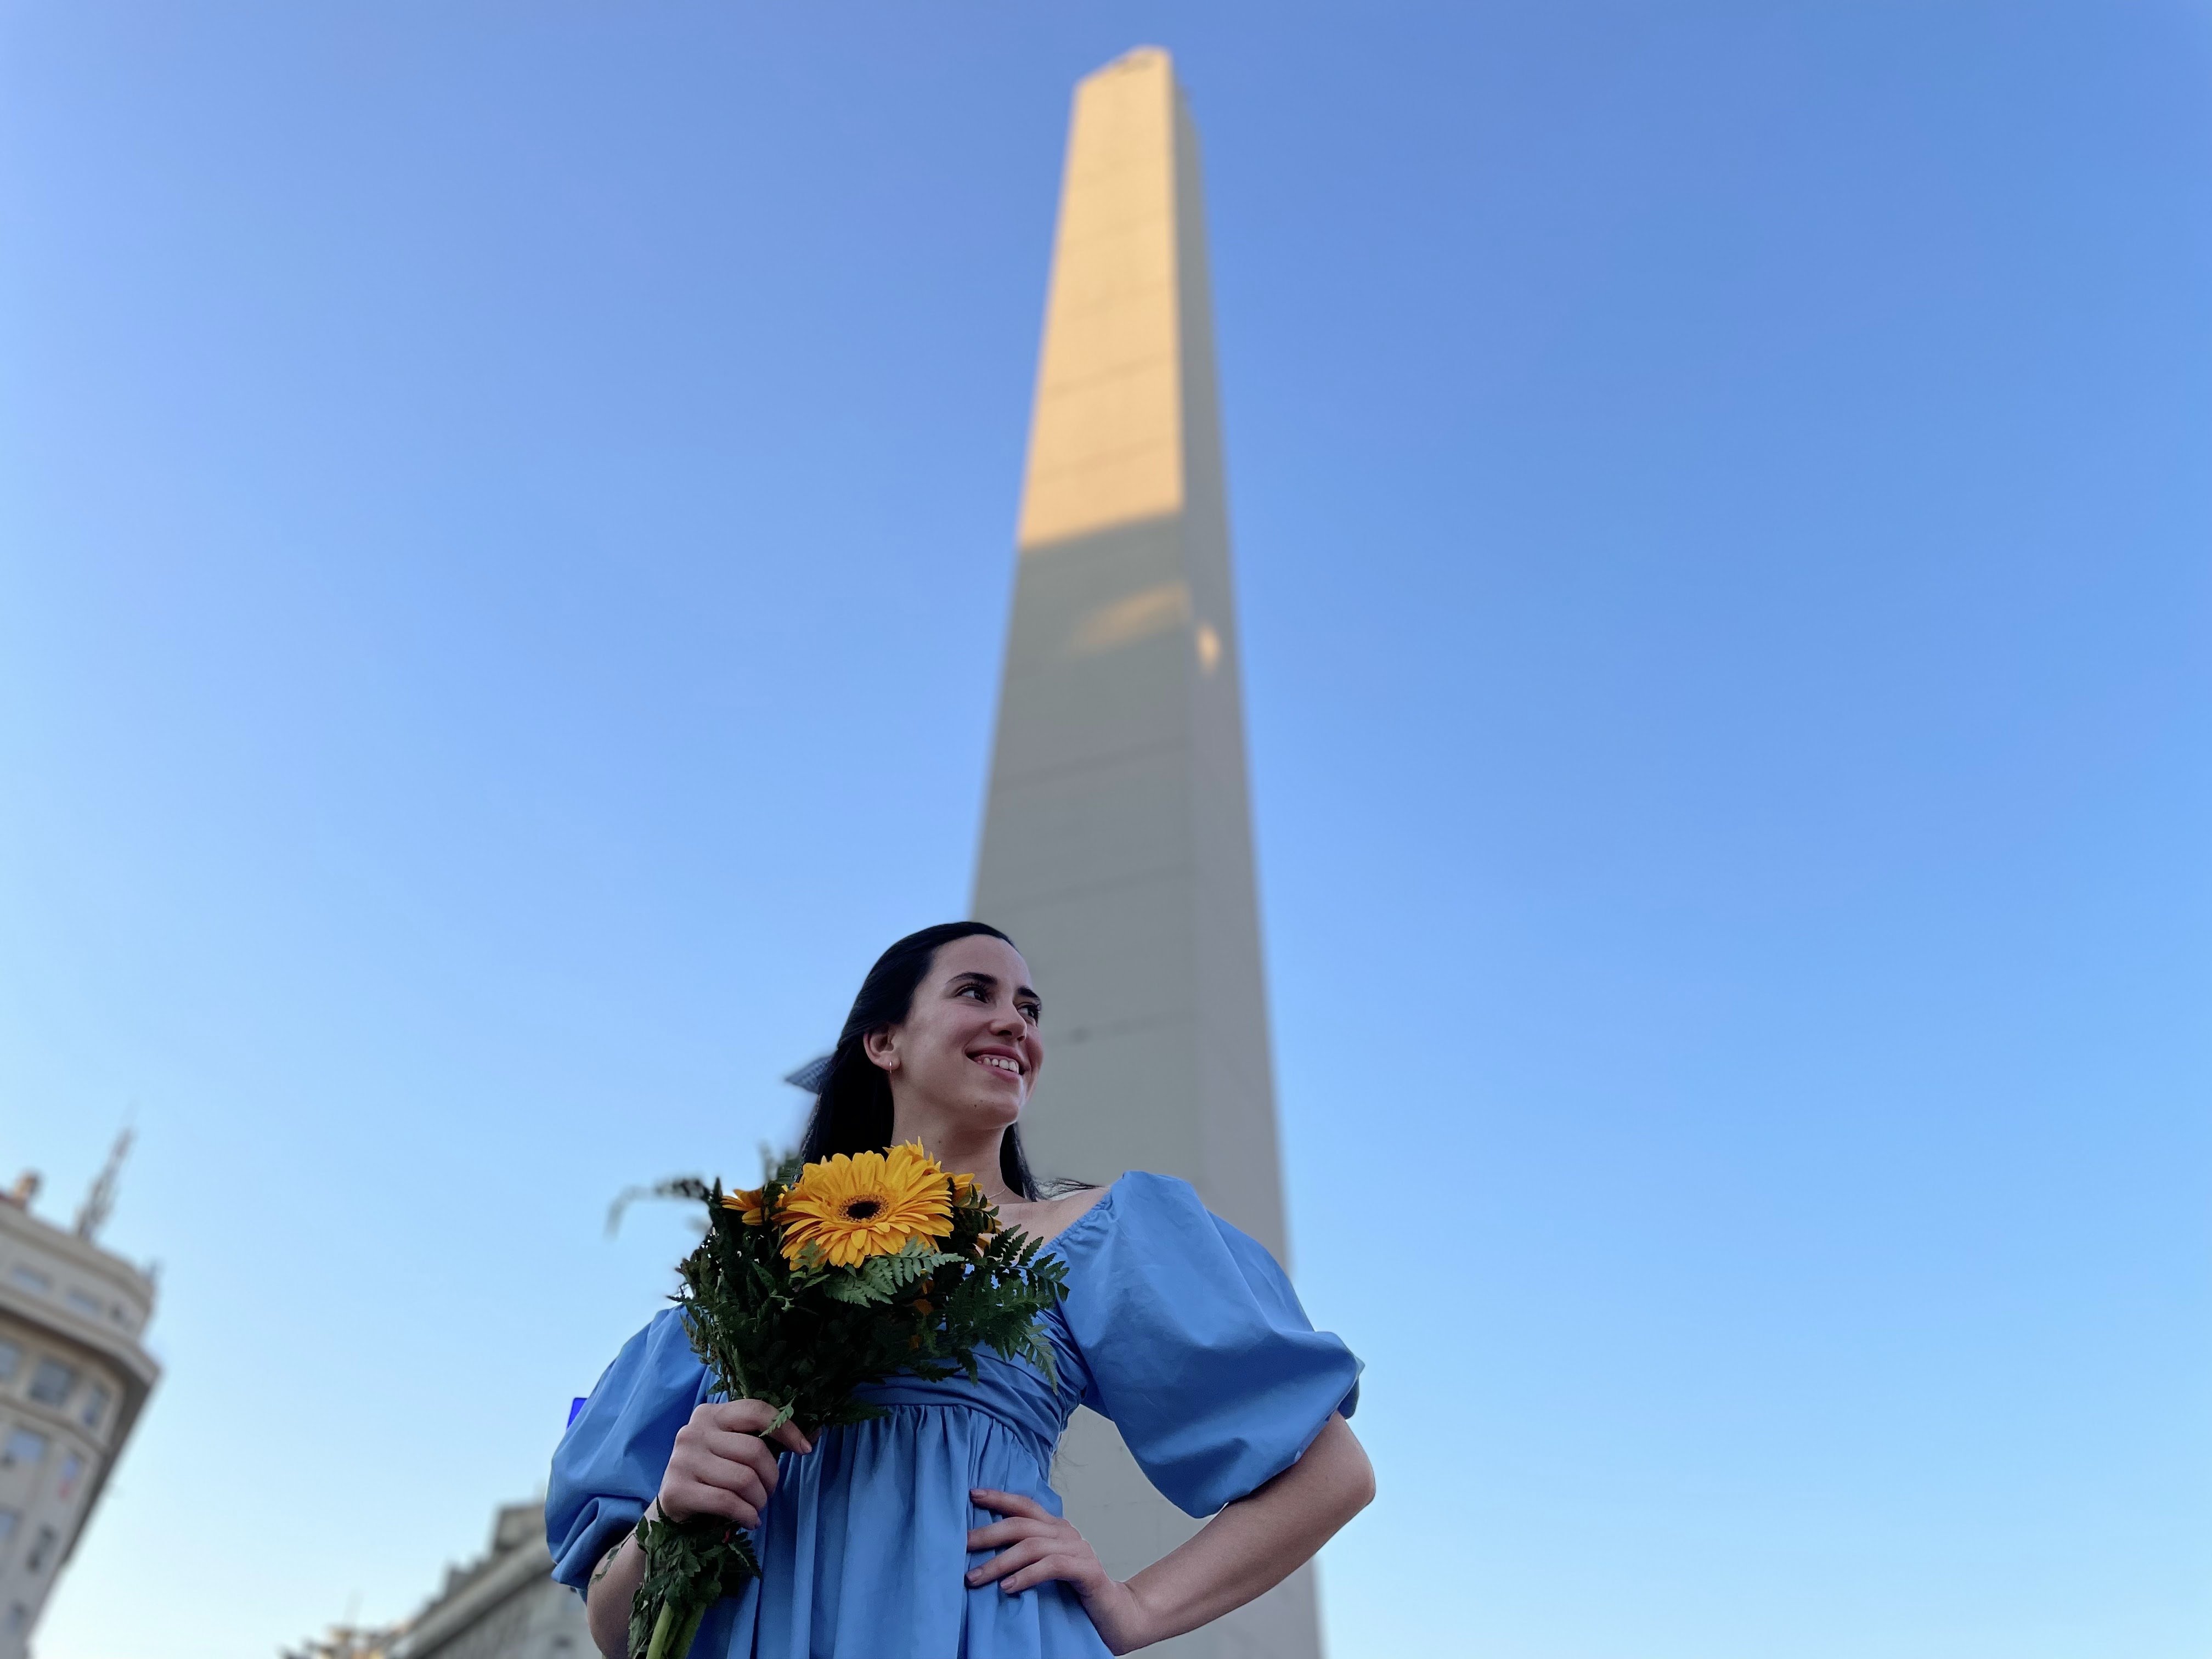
{"x":1001,"y":1110}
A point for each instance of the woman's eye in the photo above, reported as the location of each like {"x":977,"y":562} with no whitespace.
{"x":1032,"y":1014}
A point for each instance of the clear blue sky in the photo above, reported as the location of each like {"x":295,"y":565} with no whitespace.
{"x":505,"y":522}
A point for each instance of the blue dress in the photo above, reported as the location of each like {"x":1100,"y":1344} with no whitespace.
{"x":1176,"y":1326}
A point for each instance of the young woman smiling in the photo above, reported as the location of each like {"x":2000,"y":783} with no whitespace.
{"x":932,"y":1532}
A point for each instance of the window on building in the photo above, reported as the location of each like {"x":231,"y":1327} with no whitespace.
{"x":31,"y":1278}
{"x":9,"y":1520}
{"x":83,"y":1302}
{"x":53,"y":1383}
{"x":11,"y":1360}
{"x":41,"y":1552}
{"x":22,"y":1446}
{"x":65,"y":1488}
{"x":95,"y":1405}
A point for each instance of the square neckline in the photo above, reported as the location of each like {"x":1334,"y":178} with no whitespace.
{"x":1103,"y":1202}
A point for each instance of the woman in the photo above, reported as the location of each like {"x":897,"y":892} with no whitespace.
{"x":880,"y":1542}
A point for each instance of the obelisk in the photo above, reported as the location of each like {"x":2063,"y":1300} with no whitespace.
{"x":1117,"y":840}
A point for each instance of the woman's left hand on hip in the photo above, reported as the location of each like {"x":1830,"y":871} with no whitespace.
{"x":1036,"y":1547}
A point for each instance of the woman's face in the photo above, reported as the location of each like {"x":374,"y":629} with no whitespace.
{"x":968,"y":1047}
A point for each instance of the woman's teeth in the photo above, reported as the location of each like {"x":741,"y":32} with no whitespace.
{"x":1002,"y":1062}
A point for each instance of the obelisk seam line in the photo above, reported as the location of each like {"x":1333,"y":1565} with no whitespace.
{"x":1093,"y":889}
{"x":1097,"y":460}
{"x":1128,"y":369}
{"x":1095,"y":455}
{"x":1089,"y":762}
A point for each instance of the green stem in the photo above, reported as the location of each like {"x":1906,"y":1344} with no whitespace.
{"x":663,"y":1627}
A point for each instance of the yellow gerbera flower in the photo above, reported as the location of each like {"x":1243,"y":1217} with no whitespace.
{"x":748,"y":1200}
{"x":868,"y":1204}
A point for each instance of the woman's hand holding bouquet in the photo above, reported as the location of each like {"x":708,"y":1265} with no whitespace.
{"x":723,"y":1464}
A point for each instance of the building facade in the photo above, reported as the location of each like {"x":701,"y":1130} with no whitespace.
{"x":503,"y":1605}
{"x":73,"y":1377}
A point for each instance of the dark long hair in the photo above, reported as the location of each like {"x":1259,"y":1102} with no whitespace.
{"x":853,"y":1101}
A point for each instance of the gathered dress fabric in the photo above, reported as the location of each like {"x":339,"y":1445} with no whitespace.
{"x":1176,"y":1326}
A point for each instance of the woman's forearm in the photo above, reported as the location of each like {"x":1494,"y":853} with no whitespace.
{"x":1258,"y":1541}
{"x":608,"y":1598}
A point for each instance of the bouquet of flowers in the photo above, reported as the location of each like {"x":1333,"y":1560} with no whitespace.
{"x":827,"y":1277}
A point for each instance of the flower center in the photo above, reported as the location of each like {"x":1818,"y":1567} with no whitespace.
{"x":862,"y":1209}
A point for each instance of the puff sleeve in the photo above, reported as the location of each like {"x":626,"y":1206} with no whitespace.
{"x":609,"y":1464}
{"x":1195,"y":1344}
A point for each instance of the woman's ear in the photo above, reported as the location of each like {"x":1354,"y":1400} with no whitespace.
{"x":881,"y":1046}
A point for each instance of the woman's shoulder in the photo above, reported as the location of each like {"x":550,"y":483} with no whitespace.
{"x":657,"y":1364}
{"x":663,"y":1333}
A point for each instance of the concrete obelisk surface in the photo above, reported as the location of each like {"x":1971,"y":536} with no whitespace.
{"x":1117,"y":841}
